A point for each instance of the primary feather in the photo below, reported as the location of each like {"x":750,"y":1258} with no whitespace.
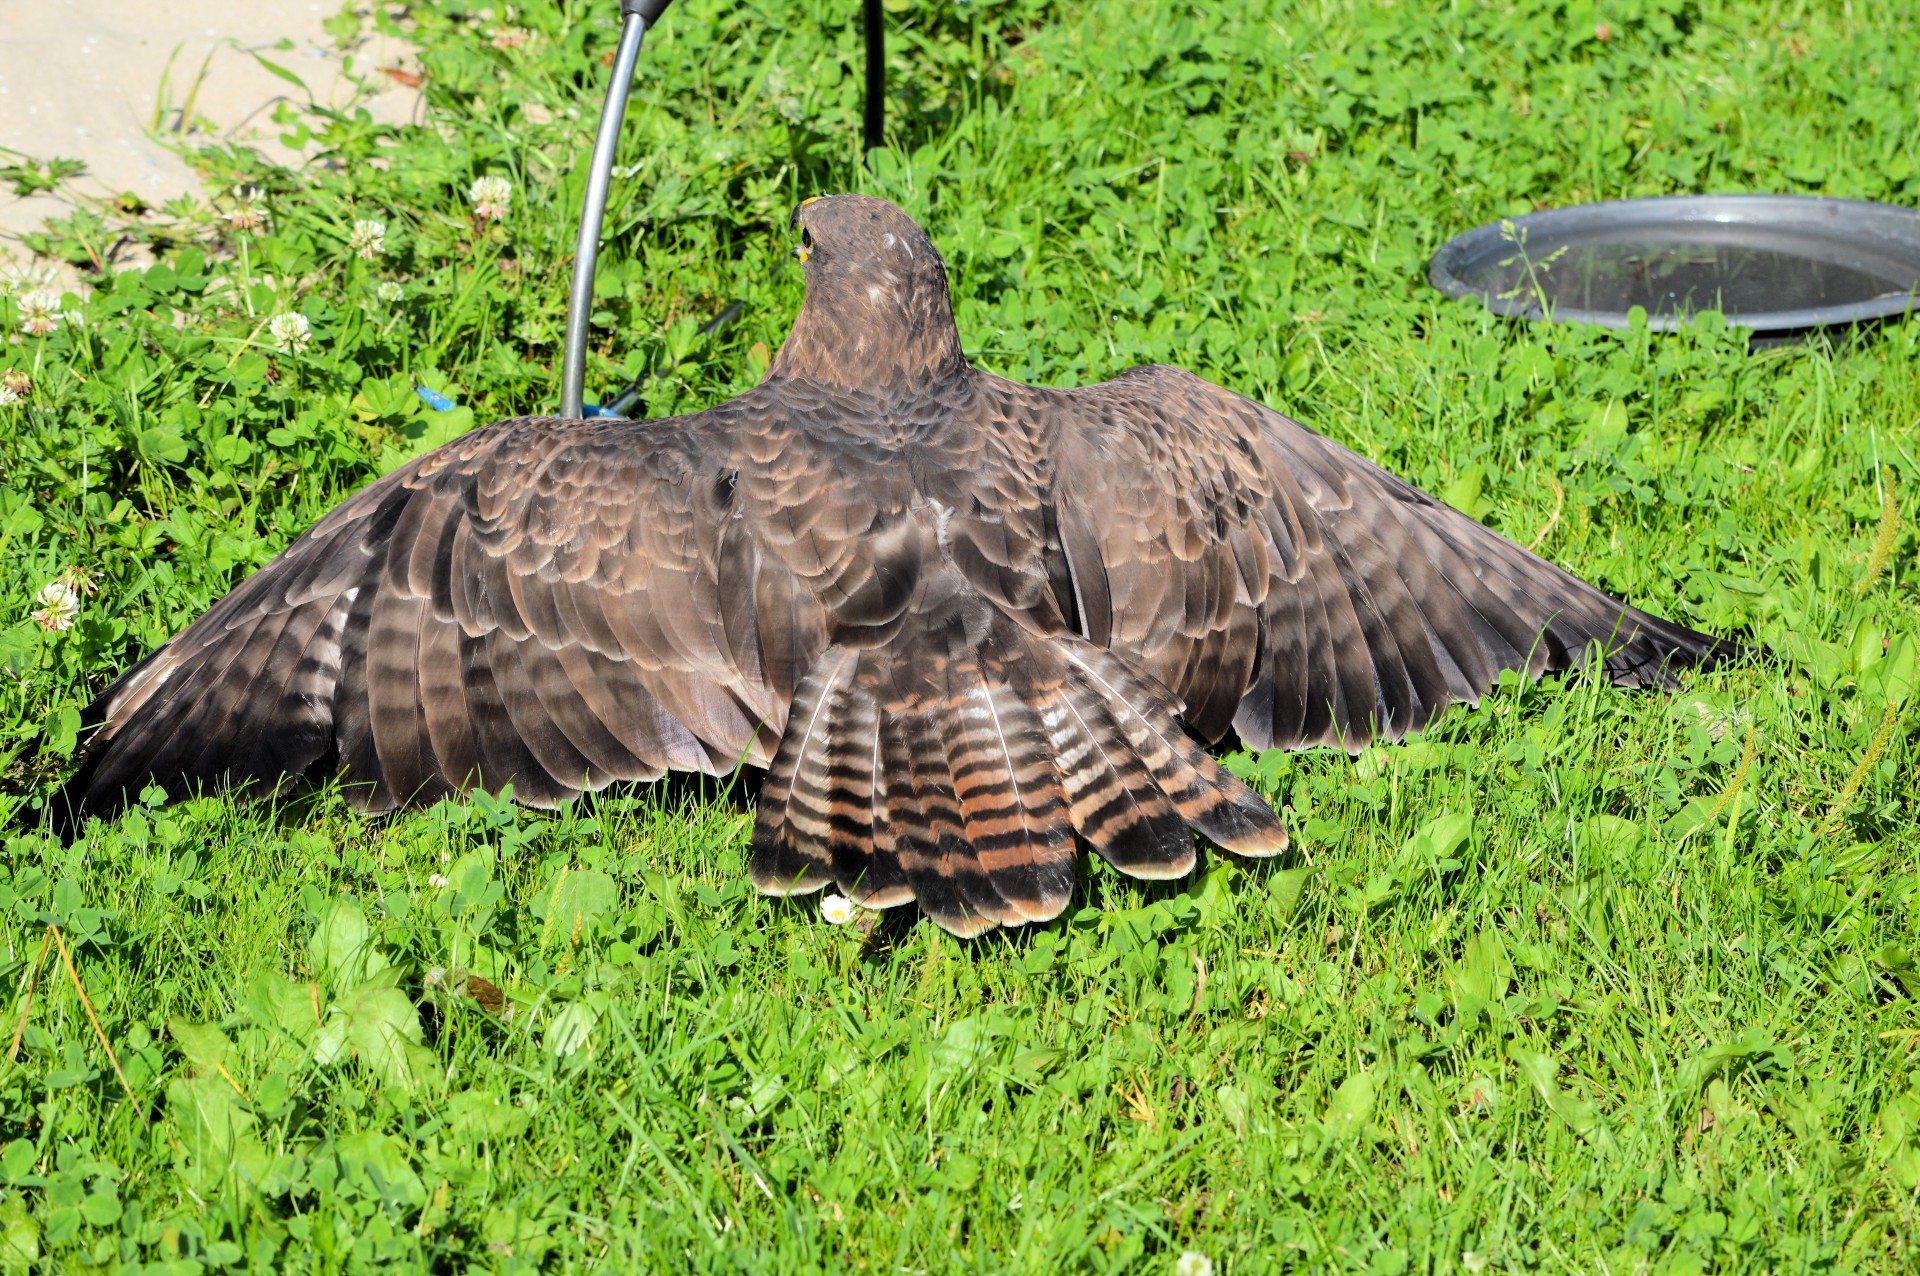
{"x":962,"y":622}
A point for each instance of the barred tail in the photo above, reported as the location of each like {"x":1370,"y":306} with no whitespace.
{"x":954,"y":764}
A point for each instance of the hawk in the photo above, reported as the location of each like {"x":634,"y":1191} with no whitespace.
{"x":964,"y":624}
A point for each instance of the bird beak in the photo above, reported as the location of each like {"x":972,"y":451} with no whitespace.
{"x":800,"y":250}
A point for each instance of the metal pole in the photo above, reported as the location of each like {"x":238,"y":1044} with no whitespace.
{"x":876,"y":74}
{"x":637,"y":16}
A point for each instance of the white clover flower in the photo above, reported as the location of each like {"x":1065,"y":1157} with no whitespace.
{"x":492,"y":197}
{"x":390,"y":292}
{"x":1473,"y":1262}
{"x":8,"y":395}
{"x":1193,"y":1263}
{"x":39,"y":311}
{"x":837,"y":909}
{"x":438,"y":881}
{"x":290,"y":331}
{"x":368,"y":240}
{"x":251,"y":215}
{"x":59,"y":606}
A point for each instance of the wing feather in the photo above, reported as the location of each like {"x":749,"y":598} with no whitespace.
{"x":1182,"y":505}
{"x":551,"y":604}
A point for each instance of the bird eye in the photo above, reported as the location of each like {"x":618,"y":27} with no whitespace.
{"x":805,"y":247}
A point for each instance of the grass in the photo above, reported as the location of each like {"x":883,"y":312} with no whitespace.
{"x":1580,"y":981}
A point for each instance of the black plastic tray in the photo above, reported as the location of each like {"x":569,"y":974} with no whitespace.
{"x":1778,"y":264}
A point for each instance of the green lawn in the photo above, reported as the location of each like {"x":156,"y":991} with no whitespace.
{"x":1582,"y":981}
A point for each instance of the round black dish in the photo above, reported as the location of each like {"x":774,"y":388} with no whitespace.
{"x":1782,"y":265}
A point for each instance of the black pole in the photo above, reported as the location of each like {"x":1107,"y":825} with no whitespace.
{"x":876,"y":74}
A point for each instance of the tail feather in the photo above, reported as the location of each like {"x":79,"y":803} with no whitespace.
{"x":789,"y":855}
{"x":1012,"y":808}
{"x":942,"y":866}
{"x":1042,"y":886}
{"x":1206,"y":795}
{"x":955,"y":763}
{"x":877,"y":878}
{"x":1132,"y":824}
{"x":850,"y":767}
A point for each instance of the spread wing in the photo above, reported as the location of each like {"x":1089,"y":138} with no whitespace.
{"x":1289,"y":588}
{"x":555,"y":604}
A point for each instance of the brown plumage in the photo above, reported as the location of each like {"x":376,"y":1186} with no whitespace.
{"x":960,"y":621}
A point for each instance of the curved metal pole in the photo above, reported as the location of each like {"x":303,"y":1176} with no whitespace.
{"x":638,"y":15}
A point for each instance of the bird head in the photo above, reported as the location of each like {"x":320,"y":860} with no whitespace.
{"x":876,"y":309}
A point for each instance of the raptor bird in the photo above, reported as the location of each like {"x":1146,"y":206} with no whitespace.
{"x":962,"y":623}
